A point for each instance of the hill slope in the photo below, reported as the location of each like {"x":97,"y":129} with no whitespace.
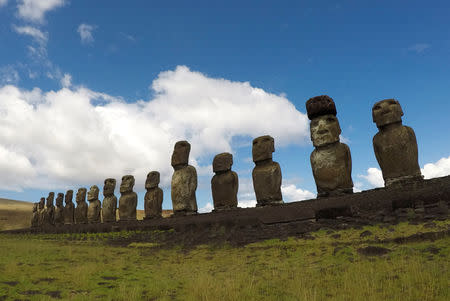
{"x":15,"y":214}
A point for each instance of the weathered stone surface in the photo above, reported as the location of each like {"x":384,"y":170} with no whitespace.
{"x":225,"y":183}
{"x":331,"y":160}
{"x":109,"y":202}
{"x":153,"y":197}
{"x":184,"y":181}
{"x":35,"y":217}
{"x":180,"y":155}
{"x":128,"y":199}
{"x":49,"y":210}
{"x":82,"y":207}
{"x":395,"y":145}
{"x":267,"y":173}
{"x":41,"y":209}
{"x":69,"y":208}
{"x":59,"y":209}
{"x":95,"y":206}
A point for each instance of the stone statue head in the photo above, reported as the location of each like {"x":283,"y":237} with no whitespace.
{"x":320,"y":105}
{"x":109,"y":187}
{"x":93,"y":193}
{"x":50,"y":198}
{"x":324,"y":130}
{"x":42,"y":203}
{"x":69,"y":196}
{"x":152,"y":180}
{"x":127,"y":184}
{"x":222,"y":162}
{"x":386,"y":112}
{"x":81,"y":195}
{"x":263,"y":147}
{"x":59,"y":199}
{"x":35,"y":207}
{"x":180,"y":155}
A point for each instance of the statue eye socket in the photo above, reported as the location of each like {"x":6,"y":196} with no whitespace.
{"x":376,"y":107}
{"x":329,"y":119}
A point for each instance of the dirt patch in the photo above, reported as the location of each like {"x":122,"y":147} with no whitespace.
{"x":373,"y":251}
{"x":110,"y":277}
{"x":365,"y":234}
{"x":432,"y":249}
{"x":11,"y":283}
{"x":31,"y":292}
{"x":45,"y":279}
{"x":54,"y":294}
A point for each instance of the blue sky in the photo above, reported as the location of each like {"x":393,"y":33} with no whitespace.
{"x":106,"y":87}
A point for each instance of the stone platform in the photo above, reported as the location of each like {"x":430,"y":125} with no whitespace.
{"x":427,"y":199}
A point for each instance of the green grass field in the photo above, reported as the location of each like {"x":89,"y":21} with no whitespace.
{"x":328,"y":267}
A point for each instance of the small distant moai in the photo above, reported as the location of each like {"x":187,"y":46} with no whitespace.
{"x":225,"y":183}
{"x":267,"y":173}
{"x":153,"y":197}
{"x":69,"y":209}
{"x":59,"y":210}
{"x":109,"y":201}
{"x":41,"y":210}
{"x":128,"y":199}
{"x":395,"y":145}
{"x":184,"y":181}
{"x":82,"y":207}
{"x":93,"y":214}
{"x":49,"y":210}
{"x":35,"y":217}
{"x":331,"y":161}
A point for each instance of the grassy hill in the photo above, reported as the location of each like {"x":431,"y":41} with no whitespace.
{"x":17,"y":214}
{"x":382,"y":262}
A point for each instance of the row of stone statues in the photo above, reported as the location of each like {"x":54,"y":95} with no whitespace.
{"x":395,"y":148}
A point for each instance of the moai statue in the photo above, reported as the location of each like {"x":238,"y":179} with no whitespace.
{"x":93,"y":214}
{"x":184,"y":181}
{"x":128,"y":199}
{"x":41,"y":210}
{"x":395,"y":145}
{"x":69,"y":209}
{"x":267,"y":173}
{"x":49,"y":209}
{"x":35,"y":217}
{"x":153,"y":197}
{"x":331,"y":161}
{"x":59,"y":210}
{"x":224,"y":184}
{"x":109,"y":202}
{"x":82,"y":207}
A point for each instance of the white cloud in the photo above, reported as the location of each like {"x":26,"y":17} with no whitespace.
{"x":3,"y":2}
{"x":38,"y":36}
{"x":77,"y":136}
{"x":293,"y":194}
{"x":419,"y":48}
{"x":35,"y":10}
{"x":66,"y":81}
{"x":9,"y":75}
{"x":208,"y":208}
{"x":439,"y":169}
{"x":374,"y":176}
{"x":85,"y":31}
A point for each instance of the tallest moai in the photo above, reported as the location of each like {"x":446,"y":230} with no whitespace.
{"x":331,"y":160}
